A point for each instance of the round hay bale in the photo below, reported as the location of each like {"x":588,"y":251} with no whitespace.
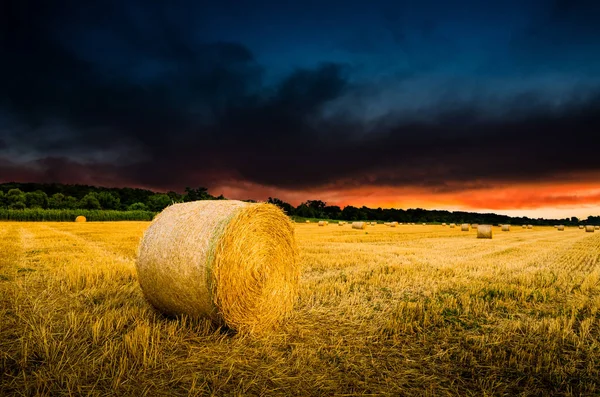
{"x":424,"y":224}
{"x":506,"y":228}
{"x":452,"y":225}
{"x":560,"y":228}
{"x":359,"y":225}
{"x":444,"y":224}
{"x":230,"y":261}
{"x":394,"y":224}
{"x":322,"y":223}
{"x":474,"y":226}
{"x":524,"y":226}
{"x":341,"y":223}
{"x":464,"y":227}
{"x":307,"y":221}
{"x":597,"y":228}
{"x":581,"y":226}
{"x":373,"y":223}
{"x":484,"y":231}
{"x":529,"y":226}
{"x":589,"y":229}
{"x":81,"y":218}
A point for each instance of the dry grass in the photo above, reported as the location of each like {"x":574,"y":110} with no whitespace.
{"x":398,"y":311}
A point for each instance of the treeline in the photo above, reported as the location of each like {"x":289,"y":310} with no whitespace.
{"x":69,"y":215}
{"x":20,"y":196}
{"x":142,"y":204}
{"x":320,"y":210}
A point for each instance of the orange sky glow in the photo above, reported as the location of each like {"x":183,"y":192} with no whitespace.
{"x":541,"y":200}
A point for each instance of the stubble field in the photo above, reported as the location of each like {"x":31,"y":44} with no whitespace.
{"x":412,"y":310}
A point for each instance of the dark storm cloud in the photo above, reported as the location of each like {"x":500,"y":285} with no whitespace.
{"x":134,"y":94}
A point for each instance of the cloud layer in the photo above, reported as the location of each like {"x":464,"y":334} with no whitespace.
{"x":130,"y":94}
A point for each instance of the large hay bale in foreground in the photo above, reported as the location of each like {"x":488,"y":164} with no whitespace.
{"x":230,"y":261}
{"x":589,"y":229}
{"x":506,"y":228}
{"x":322,"y":223}
{"x":464,"y":227}
{"x":81,"y":218}
{"x":484,"y":231}
{"x":359,"y":225}
{"x":560,"y":228}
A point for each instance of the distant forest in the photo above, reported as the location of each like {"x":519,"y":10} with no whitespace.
{"x":16,"y":196}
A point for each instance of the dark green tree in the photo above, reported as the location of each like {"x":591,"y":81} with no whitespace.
{"x":287,"y":207}
{"x":200,"y":193}
{"x":158,"y":202}
{"x":90,"y":202}
{"x":15,"y":199}
{"x":137,"y":207}
{"x":37,"y":199}
{"x":108,"y":201}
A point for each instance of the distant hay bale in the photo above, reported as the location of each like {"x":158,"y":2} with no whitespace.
{"x":506,"y":228}
{"x":560,"y":228}
{"x":524,"y":226}
{"x":359,"y":225}
{"x":307,"y":221}
{"x":373,"y":223}
{"x":484,"y":231}
{"x":341,"y":223}
{"x":393,"y":224}
{"x":424,"y":224}
{"x":322,"y":223}
{"x":464,"y":227}
{"x":327,"y":222}
{"x":452,"y":225}
{"x":581,"y":226}
{"x":474,"y":226}
{"x":81,"y":218}
{"x":589,"y":229}
{"x":444,"y":224}
{"x":230,"y":261}
{"x":529,"y":226}
{"x":597,"y":228}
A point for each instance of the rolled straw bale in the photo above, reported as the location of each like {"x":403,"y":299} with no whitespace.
{"x":529,"y":226}
{"x":359,"y":225}
{"x":597,"y":228}
{"x":589,"y":229}
{"x":484,"y":231}
{"x":444,"y":224}
{"x":464,"y":227}
{"x":322,"y":223}
{"x":307,"y":221}
{"x":342,"y":223}
{"x":452,"y":225}
{"x":506,"y":228}
{"x":327,"y":222}
{"x":230,"y":261}
{"x":373,"y":223}
{"x":394,"y":224}
{"x":581,"y":226}
{"x":474,"y":226}
{"x":524,"y":226}
{"x":424,"y":224}
{"x":81,"y":218}
{"x":560,"y":228}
